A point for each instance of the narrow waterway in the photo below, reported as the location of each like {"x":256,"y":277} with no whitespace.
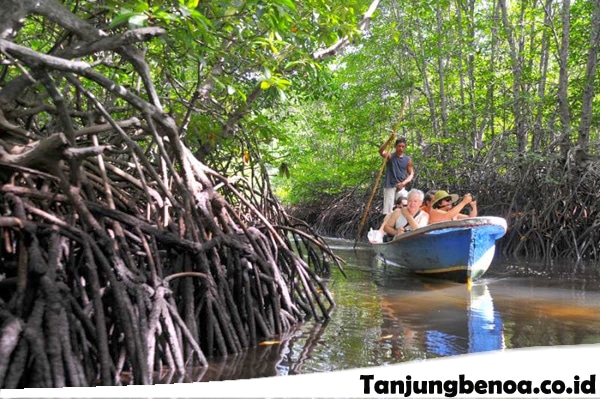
{"x":384,"y":315}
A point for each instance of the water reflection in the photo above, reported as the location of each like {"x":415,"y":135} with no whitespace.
{"x":271,"y":358}
{"x":386,"y":316}
{"x":442,"y":319}
{"x":485,"y":324}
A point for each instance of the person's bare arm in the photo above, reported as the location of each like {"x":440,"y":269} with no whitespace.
{"x":390,"y":226}
{"x":437,"y":215}
{"x":472,"y":212}
{"x":385,"y":220}
{"x":382,"y":148}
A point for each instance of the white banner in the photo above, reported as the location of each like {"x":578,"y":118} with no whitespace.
{"x":548,"y":372}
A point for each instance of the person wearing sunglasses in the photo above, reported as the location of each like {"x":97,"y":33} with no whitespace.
{"x":401,"y":202}
{"x":406,"y":218}
{"x":443,"y":208}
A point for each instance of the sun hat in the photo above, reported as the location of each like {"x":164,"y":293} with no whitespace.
{"x":441,"y":194}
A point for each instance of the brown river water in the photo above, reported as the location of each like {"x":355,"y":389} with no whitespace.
{"x":384,"y":315}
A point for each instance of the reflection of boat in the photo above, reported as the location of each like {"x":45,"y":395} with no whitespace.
{"x":445,"y":321}
{"x":458,"y":250}
{"x":485,"y":324}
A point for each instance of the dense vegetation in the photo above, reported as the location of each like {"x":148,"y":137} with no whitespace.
{"x":139,"y":231}
{"x":151,"y":154}
{"x":500,"y":102}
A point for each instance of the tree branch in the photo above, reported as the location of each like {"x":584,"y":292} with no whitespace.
{"x":343,"y":42}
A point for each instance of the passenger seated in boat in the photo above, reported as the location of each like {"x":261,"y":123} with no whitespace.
{"x":406,"y":218}
{"x":427,"y":200}
{"x":443,"y":208}
{"x":400,"y":203}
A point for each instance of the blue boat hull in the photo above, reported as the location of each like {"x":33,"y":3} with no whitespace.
{"x":459,"y":250}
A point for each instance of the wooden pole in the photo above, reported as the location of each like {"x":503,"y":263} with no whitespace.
{"x":376,"y":185}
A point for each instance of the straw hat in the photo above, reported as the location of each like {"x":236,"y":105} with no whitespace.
{"x":441,"y":194}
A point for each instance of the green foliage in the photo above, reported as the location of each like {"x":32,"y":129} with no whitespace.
{"x":238,"y":66}
{"x":243,"y":74}
{"x":480,"y":87}
{"x":457,"y":75}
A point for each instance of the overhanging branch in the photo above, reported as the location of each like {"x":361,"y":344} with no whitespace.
{"x":343,"y":42}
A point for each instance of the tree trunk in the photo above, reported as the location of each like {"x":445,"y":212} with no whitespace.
{"x":421,"y":64}
{"x":476,"y":128}
{"x":538,"y":131}
{"x":563,"y":79}
{"x":590,"y":77}
{"x":517,"y":69}
{"x":441,"y":59}
{"x":491,"y":92}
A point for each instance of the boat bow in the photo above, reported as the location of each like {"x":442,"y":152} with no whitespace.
{"x":458,"y":249}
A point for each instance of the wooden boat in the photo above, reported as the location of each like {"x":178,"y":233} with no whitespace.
{"x":459,"y":250}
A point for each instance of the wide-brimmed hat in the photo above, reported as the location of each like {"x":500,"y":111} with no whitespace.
{"x":441,"y":194}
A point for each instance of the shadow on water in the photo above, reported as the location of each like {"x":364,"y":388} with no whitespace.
{"x":385,"y":315}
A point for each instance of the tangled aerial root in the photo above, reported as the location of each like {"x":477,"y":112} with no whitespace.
{"x":120,"y":251}
{"x":118,"y":273}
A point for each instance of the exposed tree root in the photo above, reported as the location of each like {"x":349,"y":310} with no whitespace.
{"x":120,"y":251}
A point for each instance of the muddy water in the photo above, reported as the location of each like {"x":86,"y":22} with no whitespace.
{"x":386,"y":316}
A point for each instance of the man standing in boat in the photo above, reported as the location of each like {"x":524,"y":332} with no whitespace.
{"x":398,"y":172}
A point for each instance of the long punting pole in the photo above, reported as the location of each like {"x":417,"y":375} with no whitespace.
{"x":376,"y":185}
